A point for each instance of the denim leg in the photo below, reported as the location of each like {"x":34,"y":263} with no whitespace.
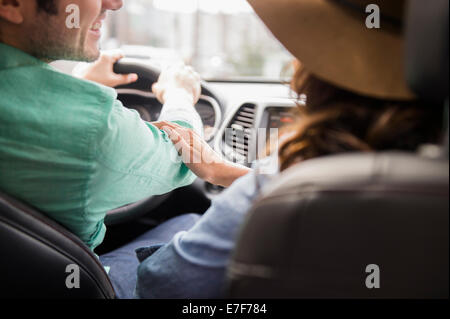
{"x":123,"y":262}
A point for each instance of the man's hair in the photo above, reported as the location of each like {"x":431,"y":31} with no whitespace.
{"x":48,"y":6}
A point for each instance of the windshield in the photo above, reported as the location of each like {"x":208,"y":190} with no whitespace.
{"x":222,"y":39}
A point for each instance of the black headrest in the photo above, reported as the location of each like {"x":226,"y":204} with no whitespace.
{"x":427,"y":48}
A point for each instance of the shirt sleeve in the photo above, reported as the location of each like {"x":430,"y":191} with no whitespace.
{"x":178,"y":108}
{"x":134,"y":160}
{"x":193,"y":264}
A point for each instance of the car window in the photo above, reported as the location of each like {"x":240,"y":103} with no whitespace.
{"x":221,"y":39}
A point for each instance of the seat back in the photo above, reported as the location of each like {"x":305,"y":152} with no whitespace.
{"x":334,"y":227}
{"x":35,"y":254}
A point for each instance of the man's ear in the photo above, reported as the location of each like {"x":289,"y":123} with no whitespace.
{"x":11,"y":11}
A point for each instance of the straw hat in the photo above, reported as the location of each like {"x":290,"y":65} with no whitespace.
{"x":332,"y":40}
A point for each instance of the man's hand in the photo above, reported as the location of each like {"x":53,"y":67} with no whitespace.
{"x":201,"y":159}
{"x":101,"y":71}
{"x":175,"y":79}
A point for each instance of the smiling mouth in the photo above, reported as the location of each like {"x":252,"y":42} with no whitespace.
{"x":96,"y":27}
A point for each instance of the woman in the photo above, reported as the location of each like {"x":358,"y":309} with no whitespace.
{"x":357,"y":101}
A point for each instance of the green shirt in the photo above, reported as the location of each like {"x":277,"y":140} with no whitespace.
{"x":69,"y":148}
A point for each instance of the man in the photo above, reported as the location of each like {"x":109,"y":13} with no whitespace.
{"x":67,"y":146}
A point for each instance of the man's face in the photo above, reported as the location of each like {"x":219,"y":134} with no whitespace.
{"x":49,"y":37}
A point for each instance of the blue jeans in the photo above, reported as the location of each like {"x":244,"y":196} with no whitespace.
{"x":123,"y":262}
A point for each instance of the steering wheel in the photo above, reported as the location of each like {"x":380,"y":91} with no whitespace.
{"x":147,"y":76}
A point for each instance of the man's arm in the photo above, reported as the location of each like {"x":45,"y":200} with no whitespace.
{"x":178,"y":89}
{"x":135,"y":159}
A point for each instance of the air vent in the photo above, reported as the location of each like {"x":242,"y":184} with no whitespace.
{"x":238,"y":133}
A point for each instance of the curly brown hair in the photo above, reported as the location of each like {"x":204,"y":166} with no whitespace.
{"x":335,"y":120}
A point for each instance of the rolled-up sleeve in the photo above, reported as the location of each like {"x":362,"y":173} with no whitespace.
{"x":178,"y":108}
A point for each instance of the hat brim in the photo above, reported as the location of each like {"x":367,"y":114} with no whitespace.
{"x":335,"y":45}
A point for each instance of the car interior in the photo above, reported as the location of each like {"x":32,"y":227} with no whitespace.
{"x":311,"y":229}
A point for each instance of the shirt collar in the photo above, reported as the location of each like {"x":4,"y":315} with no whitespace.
{"x":11,"y":57}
